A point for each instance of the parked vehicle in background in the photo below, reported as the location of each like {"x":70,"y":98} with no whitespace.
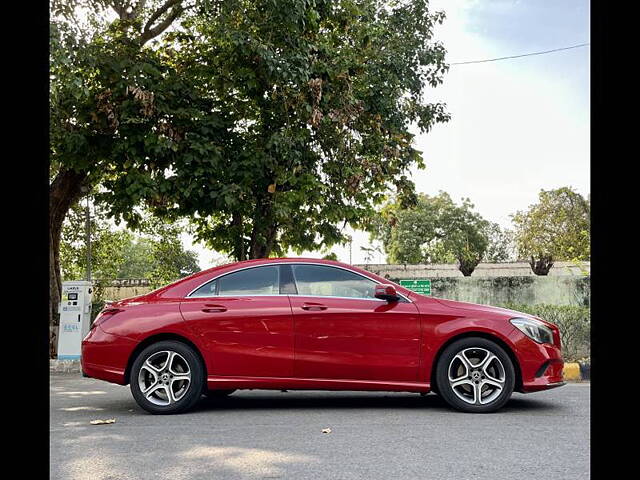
{"x":294,"y":323}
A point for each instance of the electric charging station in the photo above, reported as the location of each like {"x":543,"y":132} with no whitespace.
{"x":75,"y":315}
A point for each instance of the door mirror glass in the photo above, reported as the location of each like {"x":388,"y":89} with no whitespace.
{"x":387,"y":292}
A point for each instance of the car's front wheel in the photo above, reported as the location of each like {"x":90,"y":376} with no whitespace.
{"x":475,"y":375}
{"x":167,"y":377}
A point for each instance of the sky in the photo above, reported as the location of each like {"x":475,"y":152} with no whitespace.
{"x":518,"y":125}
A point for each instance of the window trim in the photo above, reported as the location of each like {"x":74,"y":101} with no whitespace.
{"x":288,"y":294}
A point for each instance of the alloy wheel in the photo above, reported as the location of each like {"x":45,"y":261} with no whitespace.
{"x":164,"y":377}
{"x":476,"y":376}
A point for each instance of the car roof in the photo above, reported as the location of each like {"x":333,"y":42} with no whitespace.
{"x":184,"y":286}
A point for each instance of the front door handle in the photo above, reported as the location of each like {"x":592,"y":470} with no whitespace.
{"x":214,"y":308}
{"x":313,"y":306}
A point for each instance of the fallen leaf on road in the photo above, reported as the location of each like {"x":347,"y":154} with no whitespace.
{"x":326,"y":430}
{"x":103,"y":422}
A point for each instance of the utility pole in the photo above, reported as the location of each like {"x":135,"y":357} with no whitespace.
{"x":88,"y":239}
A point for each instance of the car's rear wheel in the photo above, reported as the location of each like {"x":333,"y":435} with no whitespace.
{"x":475,"y":375}
{"x":167,"y":377}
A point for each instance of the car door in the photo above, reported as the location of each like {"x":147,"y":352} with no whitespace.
{"x":343,"y":332}
{"x":244,"y":322}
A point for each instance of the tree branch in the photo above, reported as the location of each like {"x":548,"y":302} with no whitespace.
{"x":150,"y":32}
{"x":139,"y":8}
{"x":159,"y":12}
{"x":118,"y":7}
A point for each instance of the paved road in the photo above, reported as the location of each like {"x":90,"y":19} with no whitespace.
{"x":264,"y":434}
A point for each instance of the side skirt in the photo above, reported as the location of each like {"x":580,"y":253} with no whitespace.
{"x":284,"y":383}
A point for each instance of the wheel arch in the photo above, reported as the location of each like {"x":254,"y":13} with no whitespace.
{"x":157,"y":338}
{"x":487,"y":336}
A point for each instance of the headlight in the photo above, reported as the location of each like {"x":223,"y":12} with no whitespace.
{"x":533,"y":329}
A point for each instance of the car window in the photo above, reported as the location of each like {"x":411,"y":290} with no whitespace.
{"x":207,"y":290}
{"x":252,"y":281}
{"x":331,"y":282}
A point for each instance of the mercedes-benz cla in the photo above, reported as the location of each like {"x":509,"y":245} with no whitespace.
{"x":293,"y":323}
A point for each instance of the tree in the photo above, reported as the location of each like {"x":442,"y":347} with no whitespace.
{"x":314,"y":100}
{"x":435,"y":230}
{"x":115,"y":103}
{"x":137,"y":259}
{"x":154,"y":253}
{"x":161,"y":260}
{"x":166,"y":258}
{"x":501,"y":247}
{"x":107,"y":245}
{"x":557,"y":228}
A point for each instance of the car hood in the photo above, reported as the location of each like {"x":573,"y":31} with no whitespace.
{"x":476,"y":307}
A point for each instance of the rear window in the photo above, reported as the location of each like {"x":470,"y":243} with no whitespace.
{"x":252,"y":281}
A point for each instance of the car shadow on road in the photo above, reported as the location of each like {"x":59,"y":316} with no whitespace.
{"x":529,"y":404}
{"x":330,"y":400}
{"x":324,"y":400}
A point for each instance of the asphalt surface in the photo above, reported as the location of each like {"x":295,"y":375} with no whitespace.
{"x":270,"y":434}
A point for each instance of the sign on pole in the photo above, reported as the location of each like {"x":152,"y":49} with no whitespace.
{"x":423,"y":287}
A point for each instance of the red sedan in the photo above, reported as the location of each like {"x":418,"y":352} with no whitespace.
{"x":294,"y":323}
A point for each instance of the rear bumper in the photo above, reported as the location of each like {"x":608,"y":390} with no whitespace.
{"x":104,"y":356}
{"x":540,"y":364}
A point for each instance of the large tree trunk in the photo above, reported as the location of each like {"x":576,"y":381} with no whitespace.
{"x":262,"y":245}
{"x":265,"y":229}
{"x":64,"y":191}
{"x":542,"y":265}
{"x":239,"y":249}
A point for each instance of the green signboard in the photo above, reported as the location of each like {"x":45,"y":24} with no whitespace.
{"x":423,"y":287}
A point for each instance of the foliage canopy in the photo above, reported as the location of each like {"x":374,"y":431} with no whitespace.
{"x":156,"y":254}
{"x":557,"y":228}
{"x":436,"y":230}
{"x":303,"y":117}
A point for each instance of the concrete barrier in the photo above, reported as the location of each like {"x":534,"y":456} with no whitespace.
{"x":576,"y":372}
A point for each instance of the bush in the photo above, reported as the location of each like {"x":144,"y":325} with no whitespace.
{"x":98,"y":300}
{"x":574,"y":323}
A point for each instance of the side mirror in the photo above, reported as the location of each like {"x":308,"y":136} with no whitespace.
{"x":386,"y":292}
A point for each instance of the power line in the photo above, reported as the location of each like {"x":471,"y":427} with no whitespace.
{"x":523,"y":55}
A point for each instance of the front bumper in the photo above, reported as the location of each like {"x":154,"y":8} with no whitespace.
{"x":105,"y":356}
{"x":540,"y":364}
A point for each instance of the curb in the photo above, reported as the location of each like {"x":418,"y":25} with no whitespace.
{"x":64,"y":366}
{"x":576,"y":372}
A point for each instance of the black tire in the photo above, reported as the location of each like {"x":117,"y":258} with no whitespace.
{"x":192,"y":390}
{"x":475,"y":346}
{"x":219,"y":393}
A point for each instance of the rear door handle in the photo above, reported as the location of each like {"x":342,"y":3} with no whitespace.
{"x":214,"y":308}
{"x":313,"y":306}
